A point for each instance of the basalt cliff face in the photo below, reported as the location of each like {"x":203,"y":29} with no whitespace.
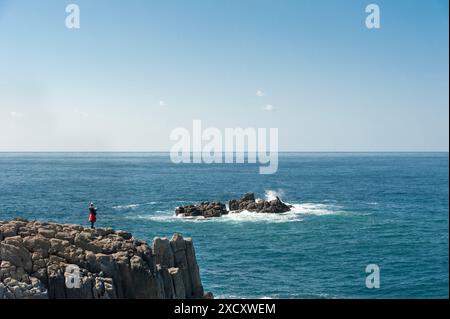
{"x":43,"y":260}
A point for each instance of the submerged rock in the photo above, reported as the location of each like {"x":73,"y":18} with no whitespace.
{"x":40,"y":260}
{"x":247,"y":203}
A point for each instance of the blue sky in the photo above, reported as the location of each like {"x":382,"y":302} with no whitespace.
{"x":136,"y":70}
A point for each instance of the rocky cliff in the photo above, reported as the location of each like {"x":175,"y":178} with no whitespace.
{"x":43,"y":260}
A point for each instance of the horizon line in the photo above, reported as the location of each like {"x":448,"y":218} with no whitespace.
{"x":323,"y":151}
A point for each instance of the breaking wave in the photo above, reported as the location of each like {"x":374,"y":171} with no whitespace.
{"x":132,"y":206}
{"x":315,"y":209}
{"x":272,"y":194}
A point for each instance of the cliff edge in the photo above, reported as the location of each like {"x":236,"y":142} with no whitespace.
{"x":55,"y":261}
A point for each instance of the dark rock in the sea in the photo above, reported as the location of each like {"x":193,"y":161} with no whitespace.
{"x":205,"y":209}
{"x":247,"y":202}
{"x":240,"y":204}
{"x":38,"y":260}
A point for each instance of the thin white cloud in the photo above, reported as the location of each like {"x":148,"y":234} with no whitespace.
{"x":162,"y":103}
{"x":268,"y":107}
{"x":15,"y":114}
{"x":260,"y":93}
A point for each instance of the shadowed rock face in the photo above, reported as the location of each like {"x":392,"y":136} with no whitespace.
{"x":37,"y":260}
{"x":247,"y":202}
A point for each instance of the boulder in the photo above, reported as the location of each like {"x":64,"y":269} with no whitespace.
{"x":248,"y":203}
{"x":205,"y":209}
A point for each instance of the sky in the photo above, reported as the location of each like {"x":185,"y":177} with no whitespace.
{"x":136,"y":70}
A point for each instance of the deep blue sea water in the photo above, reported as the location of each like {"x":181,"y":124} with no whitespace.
{"x":351,"y":210}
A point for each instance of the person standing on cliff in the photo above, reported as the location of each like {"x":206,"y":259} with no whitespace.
{"x":92,"y":214}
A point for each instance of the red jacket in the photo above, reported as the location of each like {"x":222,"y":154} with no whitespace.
{"x":92,"y":216}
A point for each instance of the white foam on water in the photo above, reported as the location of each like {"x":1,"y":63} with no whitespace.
{"x":162,"y":217}
{"x":131,"y":206}
{"x":246,"y":216}
{"x":297,"y":213}
{"x":314,"y":209}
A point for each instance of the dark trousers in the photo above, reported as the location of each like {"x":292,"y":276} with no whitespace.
{"x":92,"y":225}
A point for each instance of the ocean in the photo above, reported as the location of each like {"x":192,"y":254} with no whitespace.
{"x":350,"y":210}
